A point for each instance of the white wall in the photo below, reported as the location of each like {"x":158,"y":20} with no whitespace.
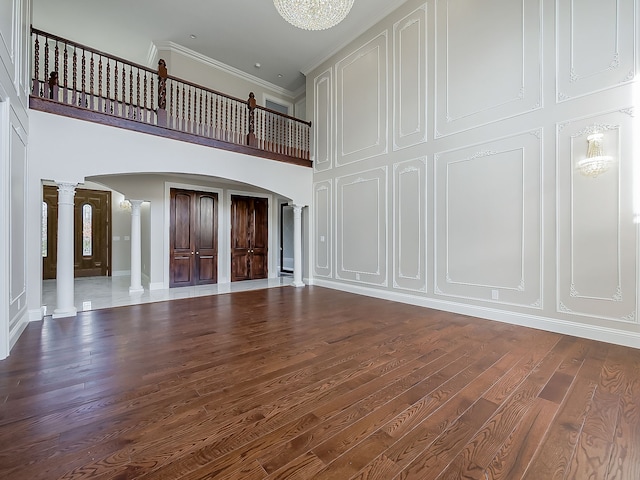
{"x":446,"y":139}
{"x":14,"y":132}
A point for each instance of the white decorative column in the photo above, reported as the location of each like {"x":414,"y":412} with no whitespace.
{"x":297,"y":246}
{"x":136,"y":248}
{"x":64,"y":268}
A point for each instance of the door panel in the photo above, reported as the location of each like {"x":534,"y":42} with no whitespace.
{"x":50,"y":260}
{"x":207,"y":239}
{"x":260,"y":241}
{"x":92,"y":232}
{"x":181,"y":243}
{"x":92,"y":218}
{"x":240,"y":236}
{"x":249,"y":238}
{"x":193,"y":240}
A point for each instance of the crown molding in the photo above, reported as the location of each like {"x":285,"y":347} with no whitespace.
{"x":375,"y":19}
{"x":210,"y":62}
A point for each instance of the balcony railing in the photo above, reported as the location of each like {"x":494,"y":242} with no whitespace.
{"x":75,"y":80}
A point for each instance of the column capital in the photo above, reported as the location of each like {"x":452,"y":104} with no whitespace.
{"x":66,"y":189}
{"x":135,"y":206}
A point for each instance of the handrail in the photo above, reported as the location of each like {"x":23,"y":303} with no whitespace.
{"x":110,"y":85}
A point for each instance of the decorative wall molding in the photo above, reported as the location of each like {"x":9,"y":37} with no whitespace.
{"x":361,"y":230}
{"x":510,"y":43}
{"x":409,"y":225}
{"x":323,"y":119}
{"x":589,"y":63}
{"x":488,"y":235}
{"x":323,"y":234}
{"x":596,"y":274}
{"x":410,"y":79}
{"x":361,"y":109}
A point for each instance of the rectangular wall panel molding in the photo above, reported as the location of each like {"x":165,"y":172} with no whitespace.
{"x":322,"y":121}
{"x":488,"y":65}
{"x":361,"y":230}
{"x":409,"y":225}
{"x":362,"y":102}
{"x":596,"y":46}
{"x":410,"y":83}
{"x":323,"y":235}
{"x":488,"y":226}
{"x":597,"y":239}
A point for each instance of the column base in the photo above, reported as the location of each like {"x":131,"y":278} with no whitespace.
{"x":135,"y":290}
{"x":298,"y":284}
{"x":64,"y":312}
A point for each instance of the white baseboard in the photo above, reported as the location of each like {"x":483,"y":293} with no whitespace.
{"x":18,"y":329}
{"x":156,"y":286}
{"x":121,"y":273}
{"x":603,"y":334}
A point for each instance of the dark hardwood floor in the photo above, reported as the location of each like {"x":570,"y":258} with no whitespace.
{"x":313,"y":383}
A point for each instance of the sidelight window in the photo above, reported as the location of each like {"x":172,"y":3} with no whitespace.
{"x":45,"y":245}
{"x":87,"y":230}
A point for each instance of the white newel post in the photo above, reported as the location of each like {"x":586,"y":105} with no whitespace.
{"x":136,"y":248}
{"x":297,"y":246}
{"x":64,"y":267}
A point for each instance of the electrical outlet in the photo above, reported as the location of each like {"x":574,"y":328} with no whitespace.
{"x":495,"y":294}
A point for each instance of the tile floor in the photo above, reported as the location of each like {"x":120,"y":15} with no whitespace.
{"x":92,"y":293}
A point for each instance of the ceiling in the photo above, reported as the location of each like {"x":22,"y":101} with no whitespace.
{"x":239,"y":33}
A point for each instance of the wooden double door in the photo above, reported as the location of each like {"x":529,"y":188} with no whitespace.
{"x":193,"y":240}
{"x":249,"y":238}
{"x":92,"y":232}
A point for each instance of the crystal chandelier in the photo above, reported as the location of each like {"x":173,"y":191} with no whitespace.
{"x":596,"y":162}
{"x":313,"y":14}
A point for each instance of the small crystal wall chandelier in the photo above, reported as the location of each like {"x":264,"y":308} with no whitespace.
{"x":313,"y":14}
{"x":596,"y":161}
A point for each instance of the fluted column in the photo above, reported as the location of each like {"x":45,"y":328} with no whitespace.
{"x":136,"y":248}
{"x":64,"y":268}
{"x":297,"y":246}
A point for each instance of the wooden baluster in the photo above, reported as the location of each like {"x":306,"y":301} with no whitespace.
{"x":131,"y":104}
{"x":162,"y":93}
{"x":91,"y":81}
{"x":83,"y":80}
{"x":56,"y":69}
{"x":200,"y":126}
{"x":263,"y":119}
{"x":177,"y":125}
{"x":235,"y":126}
{"x":210,"y":127}
{"x":65,"y":78}
{"x":100,"y":84}
{"x":47,"y":93}
{"x":138,"y":94}
{"x":35,"y":86}
{"x":189,"y":124}
{"x":114,"y":106}
{"x":205,"y":125}
{"x":123,"y":112}
{"x":171,"y":107}
{"x":183,"y":123}
{"x":217,"y":131}
{"x":144,"y":96}
{"x":107,"y":105}
{"x":226,"y":120}
{"x":74,"y":81}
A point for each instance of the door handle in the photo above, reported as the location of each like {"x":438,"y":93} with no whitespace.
{"x":191,"y":253}
{"x":197,"y":253}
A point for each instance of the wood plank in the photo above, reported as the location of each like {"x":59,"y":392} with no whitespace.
{"x":313,"y":383}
